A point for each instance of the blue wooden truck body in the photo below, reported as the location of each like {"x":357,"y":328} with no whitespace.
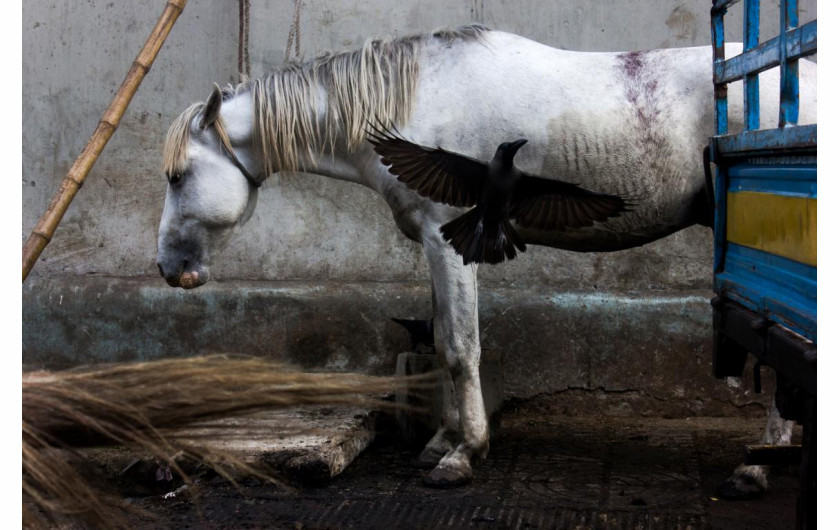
{"x":765,"y":262}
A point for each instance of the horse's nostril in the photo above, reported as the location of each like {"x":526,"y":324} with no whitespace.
{"x":160,"y":268}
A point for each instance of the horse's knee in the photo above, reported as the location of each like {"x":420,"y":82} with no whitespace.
{"x":462,"y":363}
{"x":465,"y":374}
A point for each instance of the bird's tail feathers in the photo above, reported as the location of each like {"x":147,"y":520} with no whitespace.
{"x":477,"y":242}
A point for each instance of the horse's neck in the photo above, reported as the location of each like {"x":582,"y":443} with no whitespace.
{"x":337,"y":165}
{"x":239,"y":117}
{"x":334,"y":161}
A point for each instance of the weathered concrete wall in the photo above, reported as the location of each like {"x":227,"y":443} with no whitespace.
{"x":310,"y":229}
{"x":651,"y":350}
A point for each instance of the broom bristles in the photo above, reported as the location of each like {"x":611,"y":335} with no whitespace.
{"x":155,"y":407}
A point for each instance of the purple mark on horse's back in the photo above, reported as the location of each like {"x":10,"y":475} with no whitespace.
{"x":641,"y":88}
{"x":650,"y":87}
{"x":638,"y":80}
{"x":631,"y":63}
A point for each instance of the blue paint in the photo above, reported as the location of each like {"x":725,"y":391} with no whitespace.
{"x":802,"y":41}
{"x":791,"y":181}
{"x":721,"y":104}
{"x":751,"y":100}
{"x":781,"y":289}
{"x":768,"y":139}
{"x":719,"y":6}
{"x":720,"y":218}
{"x":799,"y":42}
{"x":799,"y":277}
{"x":779,"y":161}
{"x":789,"y":68}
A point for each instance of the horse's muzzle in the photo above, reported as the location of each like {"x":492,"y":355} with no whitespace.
{"x":191,"y":280}
{"x":181,"y":275}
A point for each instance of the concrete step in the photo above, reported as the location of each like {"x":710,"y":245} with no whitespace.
{"x":653,"y":348}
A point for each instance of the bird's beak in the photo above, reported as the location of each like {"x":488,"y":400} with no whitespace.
{"x":514,"y":146}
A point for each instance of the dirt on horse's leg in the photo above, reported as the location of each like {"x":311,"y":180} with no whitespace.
{"x":749,"y":482}
{"x":456,"y":335}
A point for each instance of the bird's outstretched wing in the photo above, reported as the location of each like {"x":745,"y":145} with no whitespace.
{"x":554,"y":205}
{"x":436,"y":173}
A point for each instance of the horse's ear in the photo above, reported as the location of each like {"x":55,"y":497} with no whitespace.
{"x":211,"y":108}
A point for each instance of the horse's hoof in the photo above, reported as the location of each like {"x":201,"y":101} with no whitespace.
{"x":447,"y":477}
{"x":740,"y":488}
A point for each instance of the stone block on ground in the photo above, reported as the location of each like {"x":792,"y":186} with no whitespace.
{"x":305,"y":445}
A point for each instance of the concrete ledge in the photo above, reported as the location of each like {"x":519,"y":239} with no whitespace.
{"x":655,"y":345}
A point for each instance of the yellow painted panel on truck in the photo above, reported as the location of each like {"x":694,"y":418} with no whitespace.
{"x":781,"y":225}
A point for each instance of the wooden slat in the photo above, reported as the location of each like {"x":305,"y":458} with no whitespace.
{"x":721,"y":103}
{"x":751,"y":100}
{"x":800,"y":42}
{"x":802,"y":136}
{"x":788,"y":66}
{"x":722,"y":5}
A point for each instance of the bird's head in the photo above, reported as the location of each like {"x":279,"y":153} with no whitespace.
{"x":507,"y":151}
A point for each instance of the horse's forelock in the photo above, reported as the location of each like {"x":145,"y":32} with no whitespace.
{"x":177,"y":138}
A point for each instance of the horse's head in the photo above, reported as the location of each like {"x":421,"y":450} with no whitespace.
{"x":209,"y":162}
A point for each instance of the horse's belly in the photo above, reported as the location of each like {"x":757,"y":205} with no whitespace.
{"x":598,"y":238}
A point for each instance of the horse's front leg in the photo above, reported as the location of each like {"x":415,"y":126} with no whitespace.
{"x":749,"y":482}
{"x":449,"y":431}
{"x":455,"y":302}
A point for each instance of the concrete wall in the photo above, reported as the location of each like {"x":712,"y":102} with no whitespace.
{"x":77,"y":52}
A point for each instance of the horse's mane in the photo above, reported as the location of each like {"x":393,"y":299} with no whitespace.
{"x":377,"y":81}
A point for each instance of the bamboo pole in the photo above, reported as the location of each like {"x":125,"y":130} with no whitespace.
{"x":44,"y":230}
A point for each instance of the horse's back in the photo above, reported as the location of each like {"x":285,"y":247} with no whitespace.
{"x":625,"y":123}
{"x":629,"y":123}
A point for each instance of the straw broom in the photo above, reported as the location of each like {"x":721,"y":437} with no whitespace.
{"x":155,"y":407}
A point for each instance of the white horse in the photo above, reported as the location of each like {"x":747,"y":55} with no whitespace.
{"x":630,"y":124}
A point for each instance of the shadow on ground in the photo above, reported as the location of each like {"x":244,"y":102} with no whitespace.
{"x":542,"y":472}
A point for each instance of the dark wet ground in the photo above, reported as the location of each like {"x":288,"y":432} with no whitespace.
{"x":542,"y":472}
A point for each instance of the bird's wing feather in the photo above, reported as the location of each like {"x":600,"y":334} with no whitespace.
{"x":436,"y":173}
{"x":554,"y":204}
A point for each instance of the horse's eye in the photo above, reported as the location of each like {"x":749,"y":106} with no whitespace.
{"x":174,"y":178}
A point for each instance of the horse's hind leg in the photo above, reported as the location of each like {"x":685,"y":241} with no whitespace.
{"x":749,"y":482}
{"x":456,"y":336}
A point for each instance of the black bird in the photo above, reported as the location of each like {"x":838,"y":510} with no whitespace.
{"x":500,"y":192}
{"x":422,"y":331}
